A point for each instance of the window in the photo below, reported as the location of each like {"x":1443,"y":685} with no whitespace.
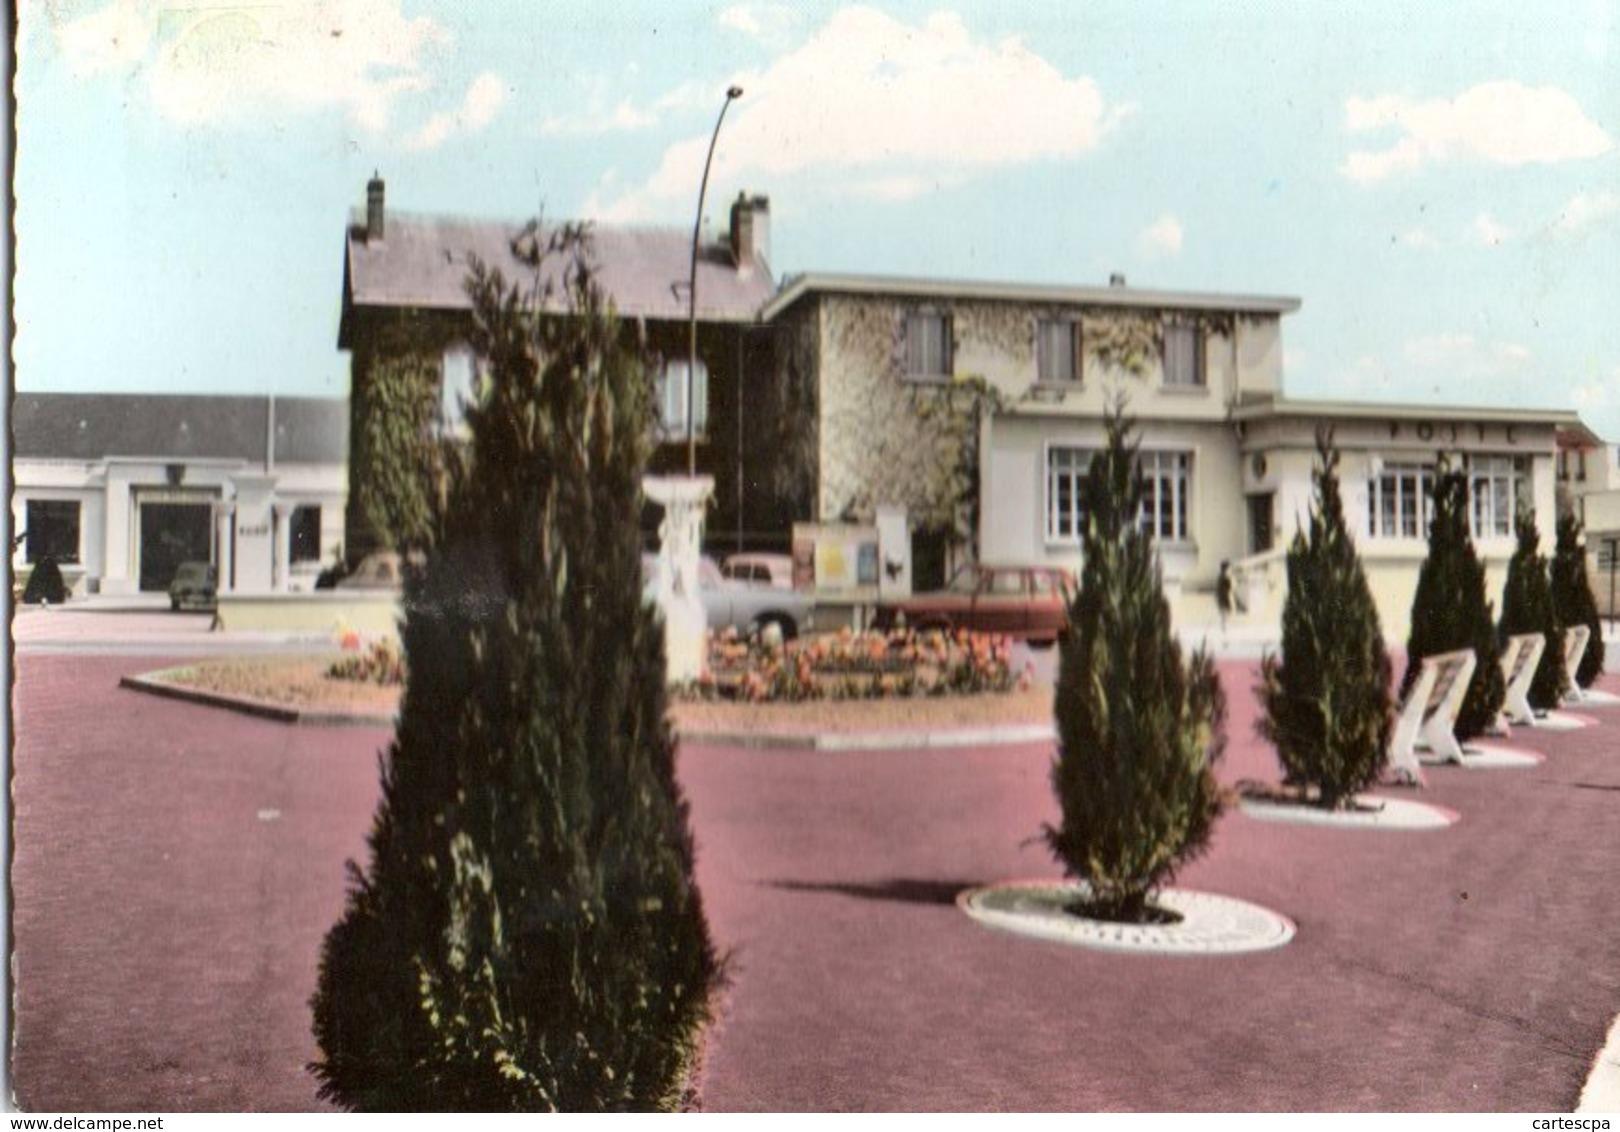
{"x":927,"y":344}
{"x":1400,"y":501}
{"x":304,"y":534}
{"x":456,"y":388}
{"x":1166,"y":491}
{"x":1164,"y":494}
{"x":53,"y":530}
{"x":1057,"y":351}
{"x":1496,"y":483}
{"x":1183,"y":355}
{"x":1065,"y":493}
{"x":672,"y":399}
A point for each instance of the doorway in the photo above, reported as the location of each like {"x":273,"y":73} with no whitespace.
{"x":172,"y":533}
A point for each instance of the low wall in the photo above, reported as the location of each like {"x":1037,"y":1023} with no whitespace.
{"x":327,"y":611}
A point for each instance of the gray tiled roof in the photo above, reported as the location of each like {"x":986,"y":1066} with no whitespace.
{"x":93,"y":426}
{"x":422,"y":262}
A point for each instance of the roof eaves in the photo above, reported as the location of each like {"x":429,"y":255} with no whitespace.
{"x":897,"y":286}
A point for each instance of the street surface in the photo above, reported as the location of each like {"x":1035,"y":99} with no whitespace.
{"x":175,"y":868}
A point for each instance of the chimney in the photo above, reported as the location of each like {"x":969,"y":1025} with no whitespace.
{"x":1117,"y":279}
{"x":374,"y":208}
{"x":751,"y":231}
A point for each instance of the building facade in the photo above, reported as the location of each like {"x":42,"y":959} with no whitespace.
{"x":406,"y":311}
{"x":119,"y":489}
{"x":976,"y":407}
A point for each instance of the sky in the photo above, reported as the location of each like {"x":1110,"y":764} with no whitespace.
{"x":1438,"y":183}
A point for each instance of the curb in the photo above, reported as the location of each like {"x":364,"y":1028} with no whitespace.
{"x":155,"y":684}
{"x":1012,"y":735}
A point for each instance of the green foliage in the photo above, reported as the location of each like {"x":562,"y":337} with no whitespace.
{"x":1325,"y":703}
{"x":1527,"y":607}
{"x":1572,"y":596}
{"x":1139,"y":732}
{"x":1450,"y":610}
{"x":528,"y":934}
{"x":397,"y":457}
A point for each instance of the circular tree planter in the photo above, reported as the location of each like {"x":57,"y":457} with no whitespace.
{"x":1558,"y":720}
{"x":1203,"y":923}
{"x":1488,"y":756}
{"x":1366,"y":811}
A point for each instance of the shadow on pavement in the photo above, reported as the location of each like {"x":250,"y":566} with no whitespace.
{"x":897,"y":891}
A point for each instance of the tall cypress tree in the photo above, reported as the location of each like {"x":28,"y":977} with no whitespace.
{"x":528,"y":934}
{"x":1527,"y":607}
{"x":1325,"y":703}
{"x":1572,"y":596}
{"x":1139,"y":732}
{"x":1450,"y":610}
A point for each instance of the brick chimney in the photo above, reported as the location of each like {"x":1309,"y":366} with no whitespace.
{"x":751,"y":232}
{"x":374,"y":208}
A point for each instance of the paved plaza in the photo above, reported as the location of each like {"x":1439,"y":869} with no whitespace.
{"x":176,"y":866}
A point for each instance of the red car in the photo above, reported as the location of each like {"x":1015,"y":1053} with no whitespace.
{"x":1027,"y":602}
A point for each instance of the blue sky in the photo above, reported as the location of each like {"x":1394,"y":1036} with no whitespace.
{"x":1440,"y":183}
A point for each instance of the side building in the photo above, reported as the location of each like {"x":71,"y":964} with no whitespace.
{"x":406,"y":320}
{"x":120,"y":489}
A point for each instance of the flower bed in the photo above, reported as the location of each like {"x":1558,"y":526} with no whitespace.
{"x":857,"y":666}
{"x":842,"y":666}
{"x":381,"y":663}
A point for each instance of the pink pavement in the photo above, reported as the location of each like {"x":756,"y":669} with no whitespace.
{"x":176,"y":866}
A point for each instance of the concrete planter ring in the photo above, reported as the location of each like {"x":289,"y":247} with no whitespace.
{"x":1204,"y":924}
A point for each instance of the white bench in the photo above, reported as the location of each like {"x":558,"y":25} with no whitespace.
{"x":1576,"y":638}
{"x":1520,"y":656}
{"x":1430,"y":711}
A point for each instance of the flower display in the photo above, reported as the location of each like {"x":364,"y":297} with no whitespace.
{"x":853,"y":666}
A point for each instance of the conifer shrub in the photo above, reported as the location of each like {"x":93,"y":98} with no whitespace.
{"x":527,"y":934}
{"x":1450,"y":610}
{"x":1527,"y":607}
{"x":1572,"y":597}
{"x":1325,"y":701}
{"x":1139,"y":731}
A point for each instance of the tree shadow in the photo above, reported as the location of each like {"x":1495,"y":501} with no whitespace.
{"x":898,"y":890}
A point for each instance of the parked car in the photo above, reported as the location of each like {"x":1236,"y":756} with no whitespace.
{"x":194,"y":584}
{"x":745,"y":606}
{"x":1027,"y":602}
{"x":768,"y":569}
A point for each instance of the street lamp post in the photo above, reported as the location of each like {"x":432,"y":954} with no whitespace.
{"x":691,"y":290}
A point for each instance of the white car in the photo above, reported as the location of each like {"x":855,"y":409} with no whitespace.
{"x":747,"y":607}
{"x":768,"y":569}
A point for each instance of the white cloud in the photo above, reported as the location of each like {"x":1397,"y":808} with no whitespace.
{"x":112,"y":39}
{"x":1487,"y":231}
{"x":478,"y":109}
{"x":1161,"y":238}
{"x":1460,"y":357}
{"x":1417,"y":238}
{"x":1585,"y":211}
{"x":759,"y":21}
{"x":871,"y":102}
{"x":622,"y":118}
{"x":214,"y":60}
{"x":1499,"y":123}
{"x":1598,"y":393}
{"x":740,"y":17}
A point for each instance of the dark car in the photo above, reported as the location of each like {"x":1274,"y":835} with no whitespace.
{"x":1030,"y":603}
{"x":195,"y":584}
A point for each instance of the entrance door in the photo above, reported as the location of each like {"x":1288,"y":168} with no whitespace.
{"x":172,"y":533}
{"x":1260,"y":533}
